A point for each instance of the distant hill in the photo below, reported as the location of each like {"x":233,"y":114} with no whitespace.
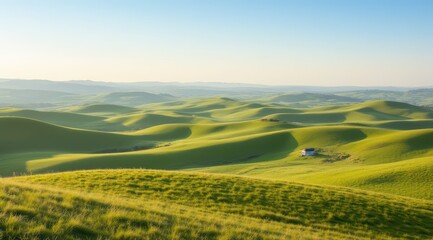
{"x":109,"y":109}
{"x":416,"y":96}
{"x":131,"y":98}
{"x":47,"y":85}
{"x":304,"y":99}
{"x":299,"y":97}
{"x":420,"y":97}
{"x":30,"y":98}
{"x":91,"y":92}
{"x":144,"y":120}
{"x":57,"y":118}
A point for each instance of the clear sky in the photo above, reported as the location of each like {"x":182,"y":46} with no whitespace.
{"x":298,"y":42}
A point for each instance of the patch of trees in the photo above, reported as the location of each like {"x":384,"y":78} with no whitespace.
{"x":125,"y":149}
{"x":269,"y":120}
{"x":336,"y":157}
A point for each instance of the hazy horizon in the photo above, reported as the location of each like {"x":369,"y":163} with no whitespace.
{"x":300,"y":43}
{"x":219,"y":82}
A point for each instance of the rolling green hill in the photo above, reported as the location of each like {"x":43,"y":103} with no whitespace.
{"x":60,"y":118}
{"x":225,"y":109}
{"x":24,"y":139}
{"x":194,"y":136}
{"x":417,"y":96}
{"x":402,"y":124}
{"x":121,"y":118}
{"x":371,"y":157}
{"x":409,"y":178}
{"x":31,"y":98}
{"x":113,"y":118}
{"x":23,"y":135}
{"x":305,"y":99}
{"x":328,"y":209}
{"x":270,"y":155}
{"x":361,"y":112}
{"x":103,"y":109}
{"x":145,"y":120}
{"x":29,"y":211}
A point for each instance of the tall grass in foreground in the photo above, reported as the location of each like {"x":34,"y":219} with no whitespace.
{"x":36,"y":212}
{"x":350,"y":211}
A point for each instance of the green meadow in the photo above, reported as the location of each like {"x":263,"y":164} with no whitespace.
{"x":218,"y":168}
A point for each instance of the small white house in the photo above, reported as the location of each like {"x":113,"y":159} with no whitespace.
{"x":307,"y":152}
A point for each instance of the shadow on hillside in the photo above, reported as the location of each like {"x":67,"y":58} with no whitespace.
{"x":381,"y":115}
{"x":264,"y":148}
{"x":16,"y":164}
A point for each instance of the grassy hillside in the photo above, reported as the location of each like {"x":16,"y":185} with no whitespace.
{"x":416,"y":96}
{"x":25,"y":139}
{"x":176,"y":156}
{"x":305,"y":99}
{"x":258,"y":148}
{"x":145,"y":120}
{"x":61,"y":118}
{"x":409,"y":178}
{"x":218,"y":144}
{"x":324,"y":208}
{"x":225,"y":109}
{"x":228,"y":136}
{"x":362,"y":112}
{"x":103,"y":109}
{"x":402,"y":124}
{"x":39,"y":212}
{"x":33,"y":98}
{"x":102,"y":117}
{"x":379,"y":146}
{"x":23,"y":135}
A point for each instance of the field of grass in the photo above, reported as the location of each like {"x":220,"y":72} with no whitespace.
{"x":371,"y":157}
{"x":30,"y":211}
{"x":273,"y":154}
{"x":331,"y":210}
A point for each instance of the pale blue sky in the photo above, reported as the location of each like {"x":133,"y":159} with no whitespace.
{"x":299,"y":42}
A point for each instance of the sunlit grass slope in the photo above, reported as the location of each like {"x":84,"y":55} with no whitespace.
{"x":264,"y":149}
{"x":121,"y":118}
{"x":225,"y":109}
{"x":394,"y":146}
{"x":62,"y":118}
{"x":40,"y":212}
{"x":102,"y":109}
{"x":210,"y":145}
{"x":412,"y":177}
{"x":188,"y":154}
{"x":145,"y":120}
{"x":23,"y":139}
{"x":368,"y":111}
{"x":304,"y":99}
{"x":114,"y":118}
{"x":25,"y":135}
{"x":228,"y":136}
{"x":354,"y":212}
{"x":400,"y":124}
